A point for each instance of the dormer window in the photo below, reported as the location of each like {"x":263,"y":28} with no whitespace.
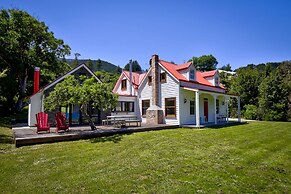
{"x":192,"y":75}
{"x":216,"y":81}
{"x":123,"y":84}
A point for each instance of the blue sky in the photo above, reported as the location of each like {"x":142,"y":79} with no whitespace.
{"x":238,"y":32}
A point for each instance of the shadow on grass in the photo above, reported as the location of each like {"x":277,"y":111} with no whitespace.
{"x":226,"y":125}
{"x":114,"y":138}
{"x":5,"y":139}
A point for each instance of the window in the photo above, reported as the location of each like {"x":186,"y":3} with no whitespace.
{"x":123,"y":84}
{"x":192,"y":107}
{"x":150,"y":80}
{"x":192,"y":75}
{"x":125,"y":107}
{"x":163,"y":77}
{"x":170,"y":107}
{"x":216,"y":81}
{"x":145,"y":106}
{"x":217,"y":106}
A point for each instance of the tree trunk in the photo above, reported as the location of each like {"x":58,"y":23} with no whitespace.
{"x":22,"y":83}
{"x":91,"y":123}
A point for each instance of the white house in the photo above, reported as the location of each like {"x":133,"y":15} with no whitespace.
{"x":36,"y":101}
{"x":181,"y":94}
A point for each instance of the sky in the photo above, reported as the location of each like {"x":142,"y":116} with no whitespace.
{"x":236,"y":32}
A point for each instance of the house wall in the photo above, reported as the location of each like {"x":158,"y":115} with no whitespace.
{"x":35,"y":106}
{"x":129,"y":99}
{"x":170,"y":89}
{"x":185,"y":117}
{"x":127,"y":91}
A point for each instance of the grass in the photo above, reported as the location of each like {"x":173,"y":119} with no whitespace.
{"x":250,"y":158}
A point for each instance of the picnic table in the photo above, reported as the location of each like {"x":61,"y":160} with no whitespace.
{"x":121,"y":120}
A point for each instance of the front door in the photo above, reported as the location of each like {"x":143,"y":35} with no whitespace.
{"x":206,"y":109}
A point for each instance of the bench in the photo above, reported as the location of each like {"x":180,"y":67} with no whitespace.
{"x":138,"y":122}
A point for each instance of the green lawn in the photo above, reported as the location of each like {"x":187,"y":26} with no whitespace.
{"x":250,"y":158}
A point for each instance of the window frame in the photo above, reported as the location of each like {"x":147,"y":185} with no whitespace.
{"x":165,"y":77}
{"x":192,"y":107}
{"x":192,"y":79}
{"x":171,"y":116}
{"x":150,"y":80}
{"x":144,"y":108}
{"x":217,"y":106}
{"x":124,"y":106}
{"x":124,"y":84}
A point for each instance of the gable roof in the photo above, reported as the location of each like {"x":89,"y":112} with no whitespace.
{"x":208,"y":73}
{"x":200,"y":76}
{"x":83,"y":65}
{"x":136,"y":77}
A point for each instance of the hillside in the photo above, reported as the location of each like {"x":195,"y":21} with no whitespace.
{"x":106,"y":66}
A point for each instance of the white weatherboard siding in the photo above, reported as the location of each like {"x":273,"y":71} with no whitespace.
{"x":145,"y":93}
{"x":129,"y":99}
{"x":185,"y":117}
{"x":35,"y":106}
{"x":210,"y":107}
{"x":170,"y":89}
{"x":127,"y":91}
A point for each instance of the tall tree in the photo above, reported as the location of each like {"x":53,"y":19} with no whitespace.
{"x":135,"y":66}
{"x":86,"y":92}
{"x":25,"y":43}
{"x":2,"y":97}
{"x":204,"y":62}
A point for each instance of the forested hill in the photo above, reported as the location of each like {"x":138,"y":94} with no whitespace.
{"x":106,"y":66}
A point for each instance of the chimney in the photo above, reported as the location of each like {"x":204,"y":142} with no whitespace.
{"x":155,"y":114}
{"x":36,"y":80}
{"x":155,"y":80}
{"x":130,"y":77}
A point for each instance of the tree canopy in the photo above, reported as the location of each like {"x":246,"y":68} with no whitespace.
{"x":87,"y":91}
{"x":226,"y":67}
{"x":135,"y":66}
{"x":26,"y":43}
{"x":204,"y":62}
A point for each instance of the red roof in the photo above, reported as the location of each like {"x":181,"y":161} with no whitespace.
{"x":183,"y":66}
{"x":208,"y":73}
{"x":174,"y":70}
{"x":136,"y":77}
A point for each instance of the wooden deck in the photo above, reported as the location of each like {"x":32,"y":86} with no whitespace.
{"x":28,"y":136}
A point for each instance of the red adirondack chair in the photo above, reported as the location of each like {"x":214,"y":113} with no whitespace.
{"x":61,"y":122}
{"x":42,"y":122}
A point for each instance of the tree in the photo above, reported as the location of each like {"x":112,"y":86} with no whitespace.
{"x":246,"y":84}
{"x":226,"y":67}
{"x":107,"y":77}
{"x":98,"y":64}
{"x":204,"y":62}
{"x":25,"y":43}
{"x":135,"y":66}
{"x":89,"y":64}
{"x":76,"y":61}
{"x":118,"y":70}
{"x":84,"y":92}
{"x":273,"y":100}
{"x":2,"y":75}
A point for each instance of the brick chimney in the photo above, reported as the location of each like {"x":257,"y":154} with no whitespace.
{"x":155,"y":113}
{"x":36,"y":80}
